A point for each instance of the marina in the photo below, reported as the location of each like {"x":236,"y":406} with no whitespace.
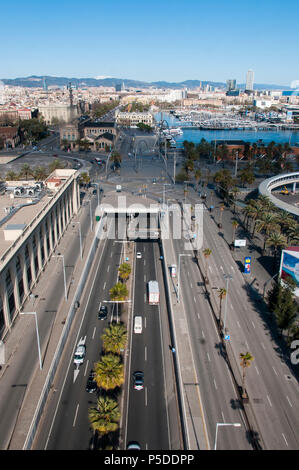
{"x":227,"y":129}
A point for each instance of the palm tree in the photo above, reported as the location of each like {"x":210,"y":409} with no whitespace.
{"x":267,"y":224}
{"x":109,"y":372}
{"x":119,"y":292}
{"x":11,"y":176}
{"x":197,"y":176}
{"x":40,"y":173}
{"x":222,"y":293}
{"x":293,"y":233}
{"x":235,"y":225}
{"x":278,"y":241}
{"x":246,"y":360}
{"x":85,"y":178}
{"x":104,"y":417}
{"x":124,"y":271}
{"x":26,"y":171}
{"x":207,"y":252}
{"x":221,"y":209}
{"x":115,"y":338}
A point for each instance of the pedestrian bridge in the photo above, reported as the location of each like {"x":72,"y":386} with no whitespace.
{"x":267,"y":186}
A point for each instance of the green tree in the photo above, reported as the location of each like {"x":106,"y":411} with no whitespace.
{"x":278,"y":242}
{"x":119,"y":292}
{"x":26,"y":171}
{"x":246,"y":360}
{"x":266,"y":224}
{"x":104,"y":417}
{"x":109,"y":372}
{"x":124,"y":271}
{"x":40,"y":173}
{"x":115,"y":338}
{"x":207,"y":253}
{"x":222,"y":294}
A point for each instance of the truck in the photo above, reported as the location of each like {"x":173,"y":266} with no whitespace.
{"x":118,"y":188}
{"x":153,"y":293}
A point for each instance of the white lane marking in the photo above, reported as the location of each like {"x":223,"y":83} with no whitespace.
{"x":108,"y":269}
{"x":194,"y":299}
{"x":202,"y":333}
{"x":145,"y":395}
{"x":215,"y":384}
{"x":263,"y":346}
{"x":104,"y":285}
{"x":74,"y":422}
{"x":238,"y":324}
{"x":257,"y":370}
{"x":208,"y":357}
{"x":285,"y":439}
{"x":274,"y":370}
{"x":253,"y":324}
{"x":145,"y":353}
{"x":269,"y":400}
{"x":94,"y":332}
{"x":86,"y":366}
{"x":289,"y":402}
{"x":222,"y":416}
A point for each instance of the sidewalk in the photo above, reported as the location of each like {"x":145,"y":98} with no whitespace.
{"x":17,"y":341}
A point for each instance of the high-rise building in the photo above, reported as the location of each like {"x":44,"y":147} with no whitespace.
{"x":231,"y":84}
{"x":249,"y":80}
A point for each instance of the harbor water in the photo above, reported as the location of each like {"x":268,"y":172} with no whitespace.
{"x":195,"y":135}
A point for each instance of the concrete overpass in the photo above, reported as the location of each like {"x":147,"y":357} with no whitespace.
{"x":267,"y":186}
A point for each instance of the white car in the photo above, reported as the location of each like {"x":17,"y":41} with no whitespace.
{"x":138,"y":255}
{"x":80,"y":354}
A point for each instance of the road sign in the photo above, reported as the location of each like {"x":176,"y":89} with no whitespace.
{"x":247,"y":265}
{"x":240,"y":242}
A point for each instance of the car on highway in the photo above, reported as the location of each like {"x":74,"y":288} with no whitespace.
{"x":154,"y":180}
{"x":138,"y":255}
{"x":79,"y":354}
{"x":103,"y":312}
{"x":138,"y":380}
{"x":133,"y":445}
{"x":91,"y":385}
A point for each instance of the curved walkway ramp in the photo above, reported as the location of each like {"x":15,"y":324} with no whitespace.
{"x":269,"y":184}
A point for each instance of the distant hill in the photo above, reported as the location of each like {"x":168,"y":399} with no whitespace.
{"x":37,"y":82}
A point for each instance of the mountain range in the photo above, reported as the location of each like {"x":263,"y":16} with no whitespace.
{"x":37,"y":82}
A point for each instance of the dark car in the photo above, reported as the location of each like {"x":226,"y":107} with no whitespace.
{"x":103,"y":312}
{"x":91,"y":384}
{"x":138,"y":380}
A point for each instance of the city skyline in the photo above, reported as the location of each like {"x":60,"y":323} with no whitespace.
{"x":152,"y":42}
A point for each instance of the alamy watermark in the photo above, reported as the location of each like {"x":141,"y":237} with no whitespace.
{"x":176,"y":221}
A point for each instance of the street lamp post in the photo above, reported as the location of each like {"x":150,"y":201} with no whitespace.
{"x":90,"y":214}
{"x":236,"y":425}
{"x":165,"y":184}
{"x":227,"y":277}
{"x":37,"y":335}
{"x":64,"y":277}
{"x":179,"y":274}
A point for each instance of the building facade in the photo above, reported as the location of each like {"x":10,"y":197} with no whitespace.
{"x":132,"y":119}
{"x":29,"y":246}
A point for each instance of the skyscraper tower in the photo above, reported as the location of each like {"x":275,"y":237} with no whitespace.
{"x":249,"y":80}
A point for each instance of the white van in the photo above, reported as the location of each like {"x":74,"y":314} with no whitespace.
{"x":138,"y":324}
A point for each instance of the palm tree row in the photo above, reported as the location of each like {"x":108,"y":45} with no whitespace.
{"x":39,"y":173}
{"x":277,"y":226}
{"x":109,"y":371}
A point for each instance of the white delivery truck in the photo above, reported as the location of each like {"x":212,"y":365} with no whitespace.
{"x":153,"y":293}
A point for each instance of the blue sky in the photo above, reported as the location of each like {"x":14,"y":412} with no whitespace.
{"x":150,"y":41}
